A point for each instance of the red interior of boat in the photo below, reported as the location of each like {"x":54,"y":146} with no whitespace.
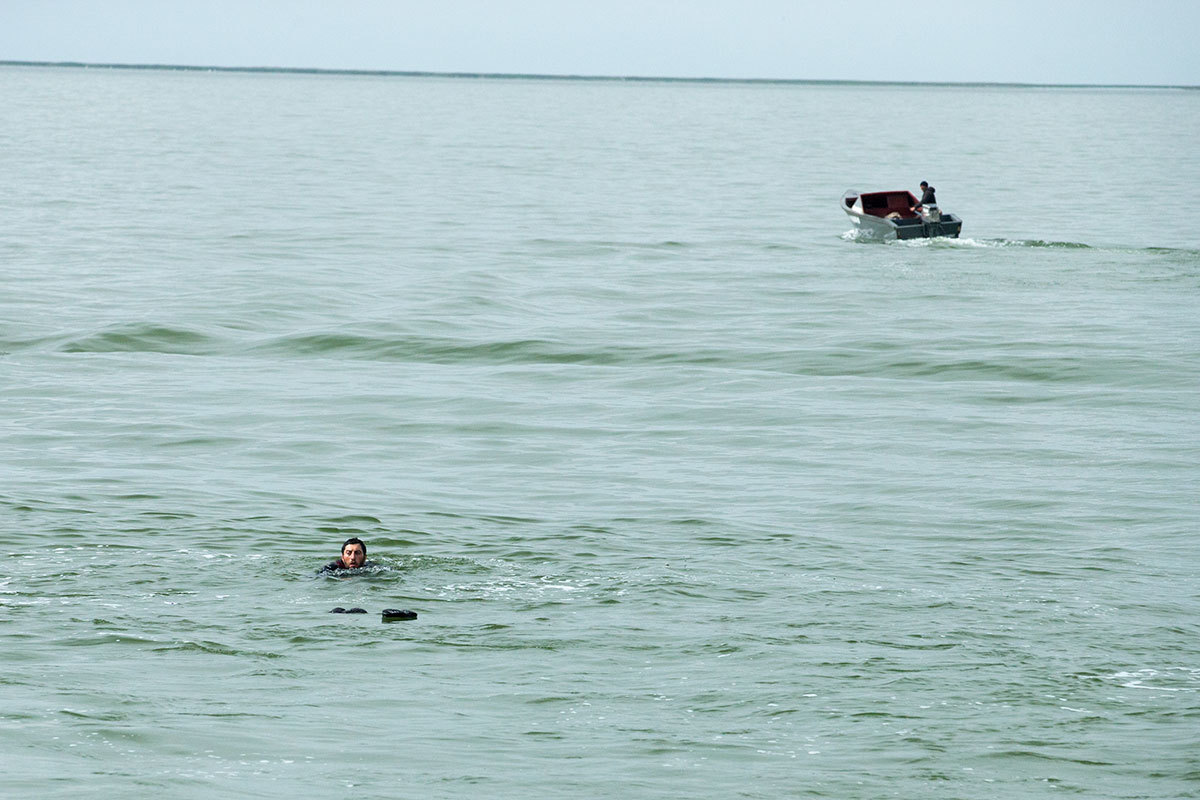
{"x":880,"y":204}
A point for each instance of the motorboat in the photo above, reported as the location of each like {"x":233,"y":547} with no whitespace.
{"x":894,"y":215}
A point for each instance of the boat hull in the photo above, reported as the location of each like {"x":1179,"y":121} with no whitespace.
{"x":889,"y":215}
{"x":948,"y":226}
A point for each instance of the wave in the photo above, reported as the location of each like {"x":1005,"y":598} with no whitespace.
{"x":447,"y":350}
{"x":864,"y":358}
{"x":616,"y":244}
{"x":145,"y":338}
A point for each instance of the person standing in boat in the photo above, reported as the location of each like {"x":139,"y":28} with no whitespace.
{"x":927,"y":206}
{"x":928,"y":196}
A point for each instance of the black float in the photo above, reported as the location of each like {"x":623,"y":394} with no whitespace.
{"x":394,"y":614}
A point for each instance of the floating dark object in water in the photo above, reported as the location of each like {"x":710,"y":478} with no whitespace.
{"x":340,"y":610}
{"x":393,"y":614}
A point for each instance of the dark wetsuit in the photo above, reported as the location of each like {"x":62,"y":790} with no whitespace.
{"x":928,"y":198}
{"x":334,"y":566}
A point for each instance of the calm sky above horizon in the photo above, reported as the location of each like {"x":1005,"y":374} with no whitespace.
{"x":1025,"y":41}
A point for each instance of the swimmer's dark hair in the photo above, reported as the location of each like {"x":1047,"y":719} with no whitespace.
{"x":354,"y":540}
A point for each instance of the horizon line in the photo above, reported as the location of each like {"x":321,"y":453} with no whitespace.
{"x":578,"y":77}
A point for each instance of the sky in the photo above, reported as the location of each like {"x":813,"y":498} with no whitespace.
{"x":1150,"y":42}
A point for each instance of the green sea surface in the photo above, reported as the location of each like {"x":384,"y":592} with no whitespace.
{"x":696,"y":492}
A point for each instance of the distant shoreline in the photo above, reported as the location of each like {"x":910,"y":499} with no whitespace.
{"x":606,"y":78}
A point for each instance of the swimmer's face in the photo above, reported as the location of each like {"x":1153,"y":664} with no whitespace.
{"x":353,"y":556}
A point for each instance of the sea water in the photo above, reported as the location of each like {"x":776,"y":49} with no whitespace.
{"x":696,"y":493}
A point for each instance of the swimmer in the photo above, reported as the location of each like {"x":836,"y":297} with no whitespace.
{"x":354,"y":556}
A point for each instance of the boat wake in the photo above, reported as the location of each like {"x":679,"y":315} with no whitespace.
{"x":1022,"y":243}
{"x":861,"y":235}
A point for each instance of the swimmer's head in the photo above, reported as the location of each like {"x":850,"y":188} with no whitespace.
{"x":354,"y":553}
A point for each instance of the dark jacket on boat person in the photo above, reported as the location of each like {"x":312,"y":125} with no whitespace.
{"x":928,"y":197}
